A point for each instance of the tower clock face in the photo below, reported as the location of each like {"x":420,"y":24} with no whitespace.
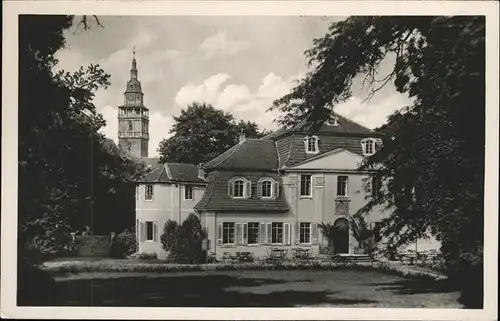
{"x":130,"y":98}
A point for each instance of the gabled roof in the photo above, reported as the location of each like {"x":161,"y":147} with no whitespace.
{"x":173,"y":173}
{"x":216,"y":196}
{"x":250,"y":154}
{"x":345,"y":127}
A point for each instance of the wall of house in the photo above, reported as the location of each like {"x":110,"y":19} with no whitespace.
{"x":211,"y":219}
{"x":168,"y":203}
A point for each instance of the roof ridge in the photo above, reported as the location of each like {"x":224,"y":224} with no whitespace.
{"x":169,"y":174}
{"x":236,"y":147}
{"x":290,"y":149}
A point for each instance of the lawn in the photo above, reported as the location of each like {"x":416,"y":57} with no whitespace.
{"x":254,"y":288}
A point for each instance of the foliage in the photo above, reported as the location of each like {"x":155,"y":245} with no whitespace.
{"x":183,"y":242}
{"x":143,"y":256}
{"x":361,"y":232}
{"x":431,"y":164}
{"x":124,"y":244}
{"x":201,"y":133}
{"x":68,"y":175}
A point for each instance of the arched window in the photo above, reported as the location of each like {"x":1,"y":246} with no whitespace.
{"x":311,"y":144}
{"x":267,"y":188}
{"x":239,"y":188}
{"x":368,"y":146}
{"x":333,"y":121}
{"x":130,"y":125}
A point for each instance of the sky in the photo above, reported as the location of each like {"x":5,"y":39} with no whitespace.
{"x":239,"y":64}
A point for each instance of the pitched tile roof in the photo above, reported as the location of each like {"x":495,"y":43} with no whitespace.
{"x":345,"y":127}
{"x":216,"y":196}
{"x":293,"y":149}
{"x":250,"y":154}
{"x":184,"y":172}
{"x":172,"y":173}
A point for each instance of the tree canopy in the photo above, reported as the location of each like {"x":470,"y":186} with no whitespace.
{"x":69,"y":177}
{"x":431,"y":164}
{"x":202,"y":132}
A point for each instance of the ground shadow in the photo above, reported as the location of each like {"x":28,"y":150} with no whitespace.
{"x":193,"y":291}
{"x":416,"y":286}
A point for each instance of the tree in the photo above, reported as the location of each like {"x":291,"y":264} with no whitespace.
{"x":183,"y":242}
{"x":431,"y":165}
{"x":361,"y":232}
{"x":201,"y":133}
{"x":66,"y":168}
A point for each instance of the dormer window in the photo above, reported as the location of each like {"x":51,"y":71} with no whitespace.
{"x":311,"y":144}
{"x":239,"y":188}
{"x":333,"y":121}
{"x":267,"y":188}
{"x":368,"y":146}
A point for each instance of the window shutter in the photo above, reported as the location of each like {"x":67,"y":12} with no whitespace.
{"x":269,"y":232}
{"x":262,"y":233}
{"x":219,"y":233}
{"x":259,"y":189}
{"x":238,"y":233}
{"x":276,"y":189}
{"x":314,"y":233}
{"x":245,"y":233}
{"x":143,"y":232}
{"x":248,"y":189}
{"x":155,"y":231}
{"x":297,"y":232}
{"x":286,"y":236}
{"x":230,"y":188}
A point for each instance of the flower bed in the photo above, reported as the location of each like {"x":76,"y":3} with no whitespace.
{"x":138,"y":266}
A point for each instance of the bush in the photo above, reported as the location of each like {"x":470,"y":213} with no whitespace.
{"x":146,"y":256}
{"x":183,"y":242}
{"x":124,"y":244}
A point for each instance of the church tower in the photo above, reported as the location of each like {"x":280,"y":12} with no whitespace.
{"x":133,"y":117}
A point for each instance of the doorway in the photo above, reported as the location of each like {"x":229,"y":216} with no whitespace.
{"x":341,"y":237}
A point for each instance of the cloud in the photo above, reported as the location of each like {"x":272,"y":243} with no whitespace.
{"x":375,"y":114}
{"x":238,"y":99}
{"x":220,"y":44}
{"x":159,"y":126}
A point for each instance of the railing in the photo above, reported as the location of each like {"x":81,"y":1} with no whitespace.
{"x":132,"y":115}
{"x":133,"y":134}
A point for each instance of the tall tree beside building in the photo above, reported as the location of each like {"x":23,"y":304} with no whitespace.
{"x":433,"y":153}
{"x":67,"y":173}
{"x":203,"y":132}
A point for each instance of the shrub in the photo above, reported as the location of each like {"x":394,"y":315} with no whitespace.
{"x":124,"y":244}
{"x":183,"y":242}
{"x":147,"y":256}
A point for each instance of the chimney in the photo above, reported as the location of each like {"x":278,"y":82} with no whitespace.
{"x":242,"y":136}
{"x":201,"y":172}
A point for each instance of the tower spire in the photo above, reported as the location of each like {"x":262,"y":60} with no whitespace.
{"x":133,"y":71}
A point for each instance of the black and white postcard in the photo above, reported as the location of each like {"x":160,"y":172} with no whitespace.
{"x":250,"y":160}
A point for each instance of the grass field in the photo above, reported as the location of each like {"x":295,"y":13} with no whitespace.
{"x":254,"y":288}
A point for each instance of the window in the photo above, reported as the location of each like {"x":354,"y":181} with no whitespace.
{"x":277,"y":233}
{"x":239,"y":188}
{"x":368,"y":146}
{"x":267,"y":189}
{"x":228,"y":233}
{"x":253,"y":233}
{"x":149,"y":193}
{"x":149,"y":231}
{"x":333,"y":121}
{"x":130,"y":125}
{"x":305,"y":185}
{"x":342,"y":186}
{"x":305,"y":233}
{"x":188,"y":192}
{"x":311,"y":144}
